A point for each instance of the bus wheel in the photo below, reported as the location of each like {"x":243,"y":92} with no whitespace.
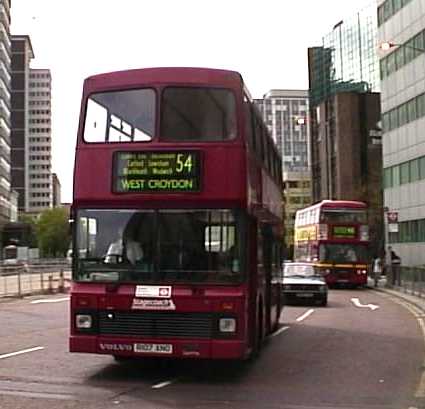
{"x":258,"y":336}
{"x":121,"y":359}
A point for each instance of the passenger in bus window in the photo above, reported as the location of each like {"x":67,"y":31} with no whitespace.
{"x":124,"y":248}
{"x":351,"y":255}
{"x":114,"y":253}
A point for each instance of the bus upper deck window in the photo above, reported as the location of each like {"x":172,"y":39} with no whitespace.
{"x":198,"y":114}
{"x":120,"y":116}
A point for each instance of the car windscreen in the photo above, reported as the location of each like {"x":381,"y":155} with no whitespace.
{"x":298,"y":271}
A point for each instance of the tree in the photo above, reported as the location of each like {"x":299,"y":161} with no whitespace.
{"x":53,"y":233}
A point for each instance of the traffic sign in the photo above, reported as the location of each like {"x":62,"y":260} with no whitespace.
{"x":392,"y":217}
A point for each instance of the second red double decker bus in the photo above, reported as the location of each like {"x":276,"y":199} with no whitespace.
{"x":177,"y":217}
{"x":334,"y":235}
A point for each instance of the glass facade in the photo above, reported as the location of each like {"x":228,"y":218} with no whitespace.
{"x":346,"y":60}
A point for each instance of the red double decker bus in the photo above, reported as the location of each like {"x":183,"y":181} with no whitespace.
{"x":177,"y":217}
{"x":334,"y":235}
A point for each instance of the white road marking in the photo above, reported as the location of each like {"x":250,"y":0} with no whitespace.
{"x":24,"y":351}
{"x":163,"y":384}
{"x":279,"y":331}
{"x":49,"y":300}
{"x":418,"y":314}
{"x":304,"y":316}
{"x":357,"y":303}
{"x":420,"y":390}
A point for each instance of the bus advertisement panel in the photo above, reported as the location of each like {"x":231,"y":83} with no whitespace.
{"x":334,"y":235}
{"x":177,"y":217}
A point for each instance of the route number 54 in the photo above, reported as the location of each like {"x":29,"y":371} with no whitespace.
{"x":183,"y":163}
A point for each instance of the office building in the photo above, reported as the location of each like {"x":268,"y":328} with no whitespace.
{"x":6,"y":195}
{"x":346,"y":153}
{"x":402,"y":70}
{"x":31,"y":131}
{"x":285,"y":113}
{"x":40,"y":186}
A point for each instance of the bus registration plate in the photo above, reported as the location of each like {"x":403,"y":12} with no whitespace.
{"x":154,"y":348}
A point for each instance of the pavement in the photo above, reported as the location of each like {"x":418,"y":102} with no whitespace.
{"x":399,"y":292}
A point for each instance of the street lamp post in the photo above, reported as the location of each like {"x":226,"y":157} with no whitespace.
{"x":387,"y":258}
{"x":387,"y":45}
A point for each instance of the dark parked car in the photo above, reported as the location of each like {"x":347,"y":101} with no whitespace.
{"x":302,"y":283}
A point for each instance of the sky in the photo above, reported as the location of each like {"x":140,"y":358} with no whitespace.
{"x":266,"y":41}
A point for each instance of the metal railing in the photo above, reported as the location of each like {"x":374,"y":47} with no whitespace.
{"x":21,"y":279}
{"x":409,"y":279}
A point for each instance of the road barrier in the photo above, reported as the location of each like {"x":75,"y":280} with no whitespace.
{"x":24,"y":279}
{"x":410,"y":280}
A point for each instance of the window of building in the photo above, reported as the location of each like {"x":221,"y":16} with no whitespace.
{"x":420,"y":105}
{"x":411,"y":110}
{"x":422,"y":167}
{"x":394,"y":121}
{"x":396,"y":175}
{"x":402,"y":114}
{"x":414,"y":170}
{"x":388,"y":178}
{"x":399,"y":57}
{"x":404,"y":173}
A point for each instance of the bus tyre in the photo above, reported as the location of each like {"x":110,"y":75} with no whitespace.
{"x":257,"y":337}
{"x":324,"y":302}
{"x":121,"y":359}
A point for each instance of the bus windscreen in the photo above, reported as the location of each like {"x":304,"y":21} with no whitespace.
{"x":154,"y":246}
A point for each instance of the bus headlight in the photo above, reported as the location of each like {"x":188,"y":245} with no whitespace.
{"x":322,"y":288}
{"x":83,"y":321}
{"x":227,"y":325}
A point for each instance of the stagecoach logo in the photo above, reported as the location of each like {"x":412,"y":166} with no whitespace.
{"x":115,"y":347}
{"x":140,"y":304}
{"x":153,"y":291}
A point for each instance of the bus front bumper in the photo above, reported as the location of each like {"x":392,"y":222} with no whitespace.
{"x":164,"y":348}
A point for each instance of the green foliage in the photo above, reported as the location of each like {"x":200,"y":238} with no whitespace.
{"x":53,"y":233}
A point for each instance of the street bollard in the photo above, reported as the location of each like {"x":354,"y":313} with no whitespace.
{"x":19,"y":284}
{"x":61,"y":285}
{"x":50,"y":288}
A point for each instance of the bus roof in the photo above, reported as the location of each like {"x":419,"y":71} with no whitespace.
{"x":335,"y":204}
{"x":176,"y":75}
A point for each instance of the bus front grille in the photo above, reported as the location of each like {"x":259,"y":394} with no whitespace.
{"x":157,"y":324}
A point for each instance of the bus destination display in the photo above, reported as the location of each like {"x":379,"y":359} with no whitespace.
{"x":157,"y":172}
{"x":347,"y":232}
